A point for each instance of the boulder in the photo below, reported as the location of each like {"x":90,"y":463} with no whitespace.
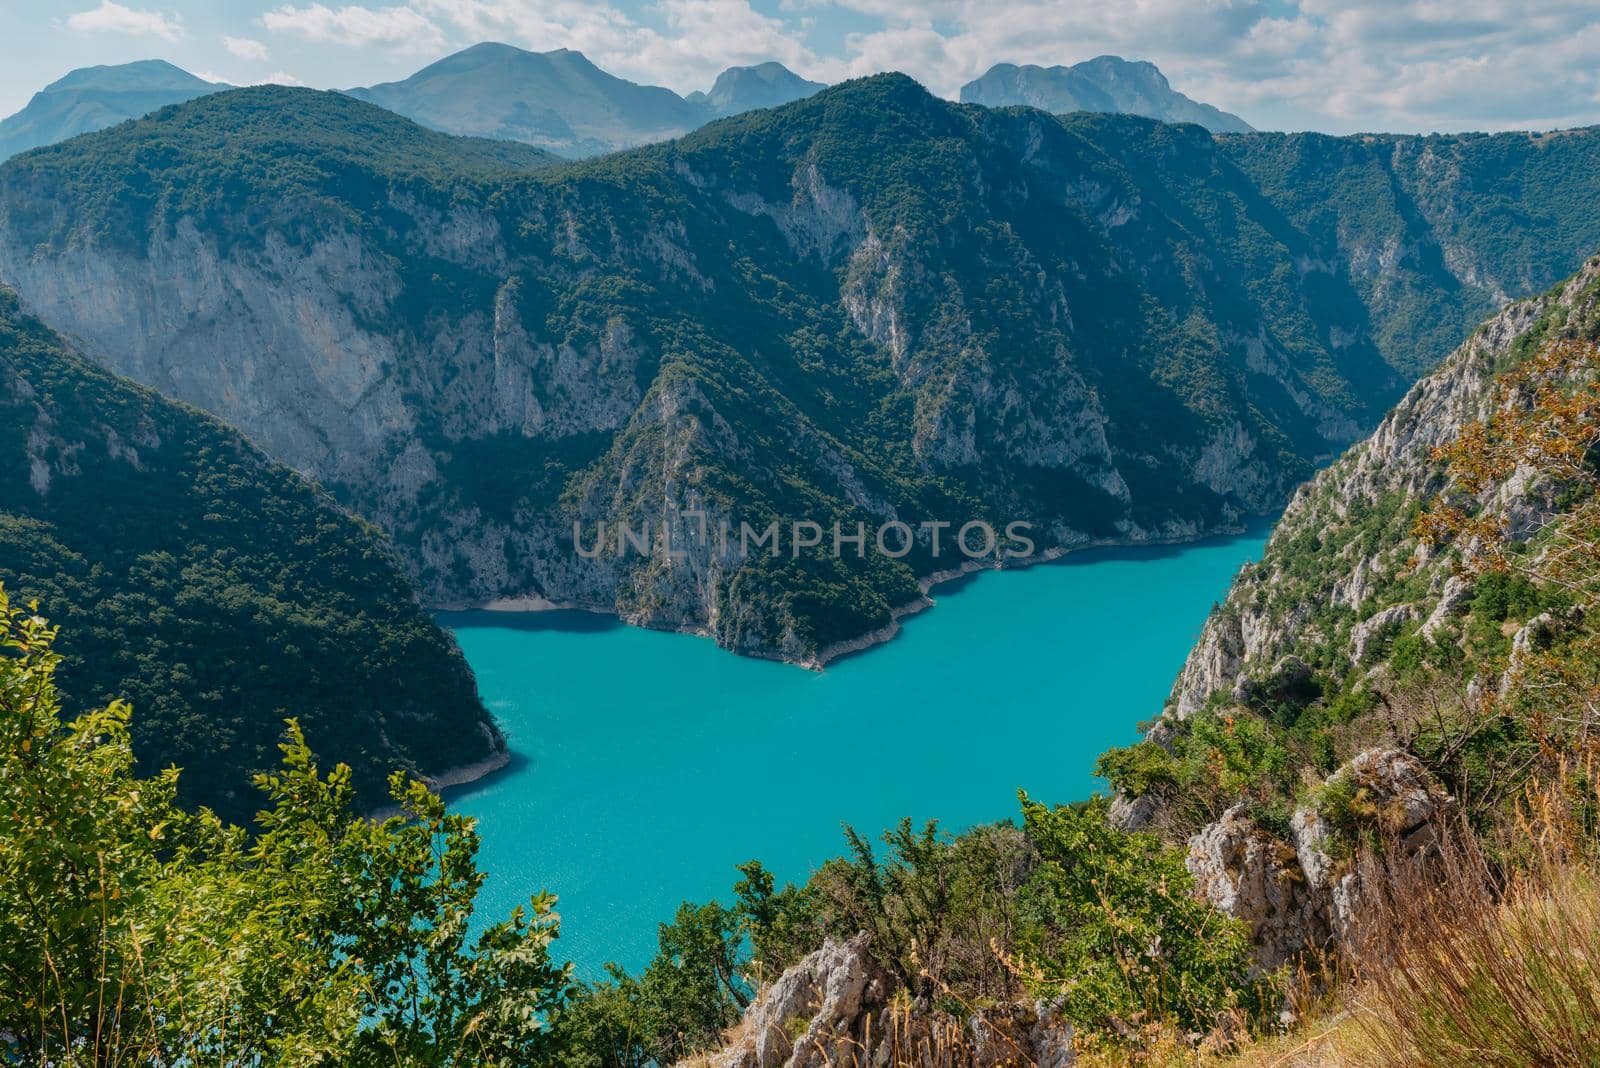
{"x":1253,"y":876}
{"x":838,"y":1006}
{"x":812,"y":1011}
{"x":1410,"y":809}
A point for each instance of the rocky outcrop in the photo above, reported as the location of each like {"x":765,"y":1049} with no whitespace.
{"x":836,"y":1007}
{"x":834,"y":993}
{"x":1324,"y":553}
{"x":1249,"y":874}
{"x":1304,"y":894}
{"x":1407,"y":809}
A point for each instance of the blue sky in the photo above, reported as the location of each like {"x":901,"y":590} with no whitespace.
{"x":1282,"y":64}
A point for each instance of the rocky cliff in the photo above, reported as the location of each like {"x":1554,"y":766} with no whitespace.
{"x":864,"y":308}
{"x":1354,"y":635}
{"x":1342,"y":569}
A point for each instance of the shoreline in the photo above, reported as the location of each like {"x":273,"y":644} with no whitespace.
{"x":459,"y":775}
{"x":878,"y":636}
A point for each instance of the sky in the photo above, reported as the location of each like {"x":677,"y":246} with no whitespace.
{"x":1340,"y":67}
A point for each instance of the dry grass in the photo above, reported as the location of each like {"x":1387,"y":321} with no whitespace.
{"x":1468,"y":961}
{"x":1483,"y":952}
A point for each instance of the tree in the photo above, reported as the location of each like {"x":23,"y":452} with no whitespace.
{"x":138,"y":932}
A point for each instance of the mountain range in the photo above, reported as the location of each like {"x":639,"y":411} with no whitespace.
{"x":1105,"y":83}
{"x":1112,"y":328}
{"x":562,"y":102}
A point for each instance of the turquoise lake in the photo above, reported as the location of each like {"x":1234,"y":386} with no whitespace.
{"x":647,"y":764}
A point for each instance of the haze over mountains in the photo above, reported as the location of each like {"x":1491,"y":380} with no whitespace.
{"x":561,"y":102}
{"x":1105,"y":83}
{"x":765,"y":85}
{"x":92,"y":98}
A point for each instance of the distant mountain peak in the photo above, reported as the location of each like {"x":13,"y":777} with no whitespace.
{"x":764,"y":85}
{"x":1104,"y":83}
{"x":92,"y":98}
{"x":561,"y":101}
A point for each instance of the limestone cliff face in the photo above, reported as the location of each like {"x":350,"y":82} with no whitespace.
{"x":1300,"y":894}
{"x":232,"y":593}
{"x":1327,"y":551}
{"x":1341,"y":577}
{"x":1043,"y":326}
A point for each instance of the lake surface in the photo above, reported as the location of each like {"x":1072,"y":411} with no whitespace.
{"x":648,"y":764}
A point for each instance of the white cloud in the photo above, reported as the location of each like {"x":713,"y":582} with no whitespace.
{"x":1341,"y":65}
{"x":279,"y":77}
{"x":400,"y":28}
{"x":1338,"y":65}
{"x":114,"y":18}
{"x":689,"y":44}
{"x":213,"y":76}
{"x":246,"y":48}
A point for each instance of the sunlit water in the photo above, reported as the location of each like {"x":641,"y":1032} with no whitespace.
{"x":648,"y":764}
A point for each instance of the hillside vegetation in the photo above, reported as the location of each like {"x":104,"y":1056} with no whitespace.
{"x":1110,"y":328}
{"x":212,"y":588}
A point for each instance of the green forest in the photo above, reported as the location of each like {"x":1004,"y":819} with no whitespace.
{"x":212,"y":588}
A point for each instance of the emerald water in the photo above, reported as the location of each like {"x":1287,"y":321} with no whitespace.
{"x":648,"y":764}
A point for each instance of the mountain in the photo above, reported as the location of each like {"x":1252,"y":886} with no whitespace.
{"x":1105,"y":83}
{"x":92,"y":98}
{"x":865,"y":307}
{"x":1411,"y":645}
{"x":1436,"y":233}
{"x":556,"y":100}
{"x":212,"y":588}
{"x":766,"y":85}
{"x":1344,"y":573}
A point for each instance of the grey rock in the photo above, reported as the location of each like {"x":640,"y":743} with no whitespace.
{"x":1411,"y":810}
{"x":833,"y":1008}
{"x":1365,"y":633}
{"x":1453,"y":600}
{"x":1132,"y":813}
{"x":1249,"y":874}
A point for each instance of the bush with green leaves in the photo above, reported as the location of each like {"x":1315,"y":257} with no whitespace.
{"x":1111,"y":927}
{"x":136,"y":931}
{"x":1064,"y":907}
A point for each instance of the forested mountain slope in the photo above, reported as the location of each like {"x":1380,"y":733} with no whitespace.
{"x":1435,"y":232}
{"x":870,"y":305}
{"x":1417,"y":642}
{"x":212,"y":588}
